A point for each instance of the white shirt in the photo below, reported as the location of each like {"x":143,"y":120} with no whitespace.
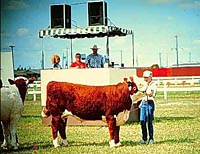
{"x":149,"y":88}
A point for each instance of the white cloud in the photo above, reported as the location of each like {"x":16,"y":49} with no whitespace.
{"x":163,"y":1}
{"x":196,"y":42}
{"x":182,"y":3}
{"x":14,"y":4}
{"x":170,"y":18}
{"x":190,"y":4}
{"x":22,"y":31}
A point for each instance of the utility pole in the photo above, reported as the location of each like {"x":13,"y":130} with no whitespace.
{"x":121,"y":57}
{"x":190,"y":57}
{"x":71,"y":52}
{"x":12,"y":46}
{"x":160,"y":58}
{"x":167,"y":60}
{"x":133,"y":51}
{"x":176,"y":50}
{"x":42,"y":61}
{"x":63,"y":60}
{"x":137,"y":60}
{"x":107,"y":49}
{"x":67,"y":59}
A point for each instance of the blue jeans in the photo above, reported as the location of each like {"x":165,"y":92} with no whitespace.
{"x":147,"y":117}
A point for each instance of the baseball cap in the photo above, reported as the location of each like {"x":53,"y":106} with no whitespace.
{"x":147,"y":74}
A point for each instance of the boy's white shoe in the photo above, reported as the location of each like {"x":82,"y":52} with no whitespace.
{"x":151,"y":141}
{"x":143,"y":141}
{"x":118,"y":144}
{"x":64,"y":142}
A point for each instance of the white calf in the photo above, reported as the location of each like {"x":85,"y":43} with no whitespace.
{"x":11,"y":111}
{"x":12,"y":100}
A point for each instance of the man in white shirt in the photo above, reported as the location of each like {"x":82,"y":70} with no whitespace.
{"x":147,"y":108}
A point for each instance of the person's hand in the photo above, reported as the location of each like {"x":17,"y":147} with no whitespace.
{"x":150,"y":95}
{"x":139,"y":106}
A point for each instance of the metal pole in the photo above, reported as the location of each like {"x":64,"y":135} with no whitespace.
{"x":167,"y":60}
{"x":71,"y":52}
{"x":107,"y":47}
{"x":63,"y":61}
{"x":42,"y":62}
{"x":137,"y":61}
{"x":190,"y":57}
{"x":67,"y":57}
{"x":12,"y":46}
{"x":121,"y":57}
{"x":160,"y":58}
{"x":42,"y":59}
{"x":133,"y":47}
{"x":176,"y":50}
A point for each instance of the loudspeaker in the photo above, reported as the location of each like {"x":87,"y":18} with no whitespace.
{"x":60,"y":16}
{"x":97,"y":13}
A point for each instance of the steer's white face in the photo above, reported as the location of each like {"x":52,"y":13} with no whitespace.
{"x":131,"y":85}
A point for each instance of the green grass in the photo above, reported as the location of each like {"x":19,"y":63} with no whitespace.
{"x":177,"y":130}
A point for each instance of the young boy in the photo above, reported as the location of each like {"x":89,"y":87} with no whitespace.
{"x":147,"y":109}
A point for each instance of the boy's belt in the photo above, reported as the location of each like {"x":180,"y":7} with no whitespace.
{"x":150,"y":101}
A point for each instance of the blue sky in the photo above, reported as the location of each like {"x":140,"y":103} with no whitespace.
{"x":155,"y":24}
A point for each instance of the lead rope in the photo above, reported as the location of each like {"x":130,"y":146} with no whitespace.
{"x":147,"y":97}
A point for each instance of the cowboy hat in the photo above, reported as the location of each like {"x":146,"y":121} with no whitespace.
{"x":94,"y":47}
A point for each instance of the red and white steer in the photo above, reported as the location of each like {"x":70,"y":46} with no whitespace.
{"x":88,"y":103}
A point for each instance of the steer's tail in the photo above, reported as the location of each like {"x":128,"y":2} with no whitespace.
{"x":45,"y":112}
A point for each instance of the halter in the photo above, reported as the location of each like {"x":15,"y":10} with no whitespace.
{"x":132,"y":87}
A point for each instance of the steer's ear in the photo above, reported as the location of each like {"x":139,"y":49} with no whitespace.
{"x":131,"y":78}
{"x":11,"y":81}
{"x":31,"y":80}
{"x":125,"y":80}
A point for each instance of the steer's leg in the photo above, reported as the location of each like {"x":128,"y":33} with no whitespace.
{"x":6,"y":131}
{"x":62,"y":131}
{"x":1,"y":134}
{"x":111,"y":121}
{"x":13,"y":132}
{"x":55,"y":123}
{"x":116,"y":136}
